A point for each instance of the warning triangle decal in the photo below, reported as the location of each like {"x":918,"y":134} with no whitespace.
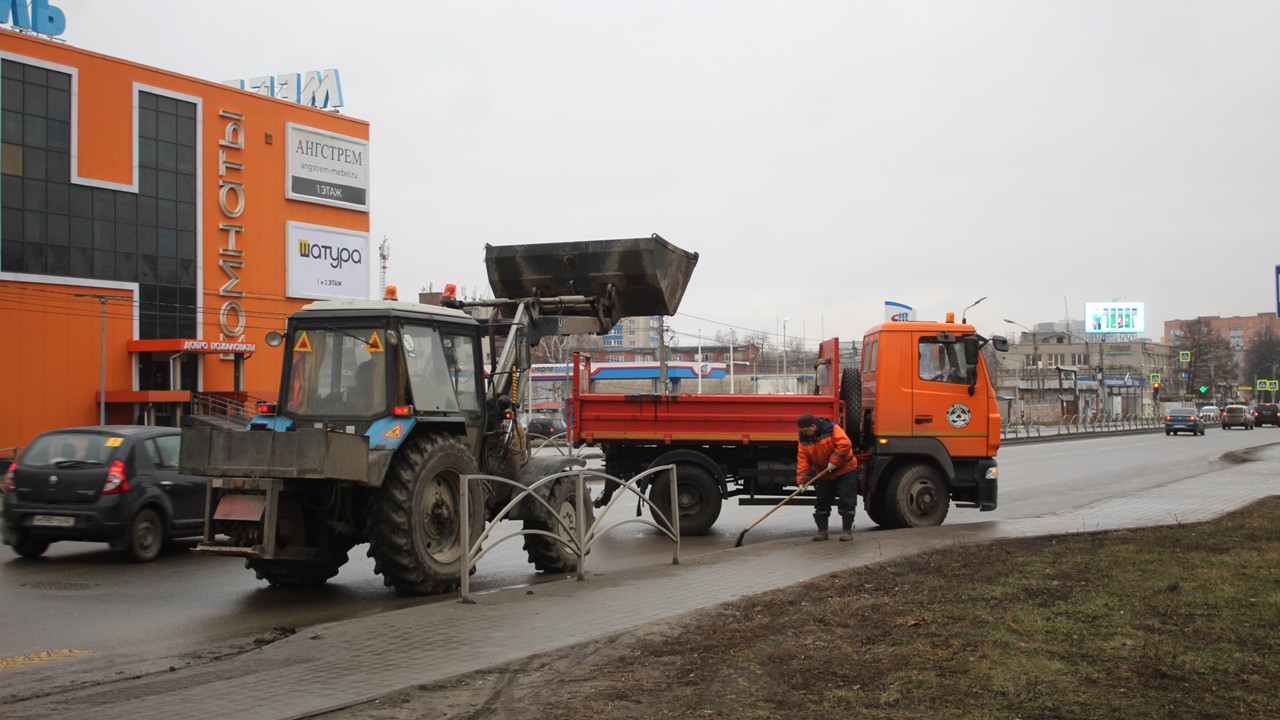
{"x":303,"y":344}
{"x":394,"y":432}
{"x":375,"y":345}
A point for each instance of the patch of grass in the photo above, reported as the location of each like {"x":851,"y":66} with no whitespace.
{"x":1170,"y":622}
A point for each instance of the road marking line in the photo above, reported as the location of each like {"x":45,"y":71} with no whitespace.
{"x":33,"y":658}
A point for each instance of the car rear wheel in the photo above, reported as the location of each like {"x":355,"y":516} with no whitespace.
{"x":30,"y":548}
{"x":146,"y":536}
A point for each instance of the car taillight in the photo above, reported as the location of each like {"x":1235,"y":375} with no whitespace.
{"x":117,"y":479}
{"x":9,"y":486}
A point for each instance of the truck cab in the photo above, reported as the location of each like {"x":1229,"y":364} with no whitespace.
{"x":929,"y":420}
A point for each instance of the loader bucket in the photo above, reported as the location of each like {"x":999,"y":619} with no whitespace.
{"x":634,"y":277}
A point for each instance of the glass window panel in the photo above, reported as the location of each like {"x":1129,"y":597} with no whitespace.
{"x":81,"y":262}
{"x":35,"y":100}
{"x":58,"y":197}
{"x":34,"y":163}
{"x":166,"y":242}
{"x":186,"y":131}
{"x":166,"y":214}
{"x":34,"y":194}
{"x":33,"y":224}
{"x":11,"y":226}
{"x":58,"y":260}
{"x":104,"y":263}
{"x":11,"y":94}
{"x":81,"y":232}
{"x":81,"y":201}
{"x":33,"y":132}
{"x":58,"y":135}
{"x":147,"y":101}
{"x":166,"y":127}
{"x":146,"y":240}
{"x":147,"y":181}
{"x":166,"y":185}
{"x":11,"y":191}
{"x":126,"y":237}
{"x":36,"y":75}
{"x":166,"y":104}
{"x":11,"y":159}
{"x":147,"y":269}
{"x":186,"y":216}
{"x":186,"y":159}
{"x":166,"y":155}
{"x":187,"y":273}
{"x":146,"y":210}
{"x":58,"y":229}
{"x":60,"y":104}
{"x":59,"y":81}
{"x":11,"y":69}
{"x":11,"y":130}
{"x":104,"y":204}
{"x":126,"y":267}
{"x":59,"y":167}
{"x":147,"y":152}
{"x":10,"y":254}
{"x":168,"y":270}
{"x":104,"y":235}
{"x":33,"y":255}
{"x":147,"y":123}
{"x":186,"y":245}
{"x":126,"y":207}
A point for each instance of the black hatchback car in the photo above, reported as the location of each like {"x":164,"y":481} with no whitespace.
{"x":1183,"y":420}
{"x":1266,"y":414}
{"x":117,"y":484}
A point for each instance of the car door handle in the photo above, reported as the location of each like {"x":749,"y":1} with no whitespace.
{"x":922,"y":419}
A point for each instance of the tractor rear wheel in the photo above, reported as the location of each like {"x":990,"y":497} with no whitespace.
{"x":415,"y":518}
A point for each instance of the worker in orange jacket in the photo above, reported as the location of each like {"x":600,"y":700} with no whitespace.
{"x":825,"y":446}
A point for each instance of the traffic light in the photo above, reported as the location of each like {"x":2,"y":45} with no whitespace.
{"x":1155,"y":390}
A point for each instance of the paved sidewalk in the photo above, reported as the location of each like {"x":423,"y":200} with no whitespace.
{"x":331,"y":666}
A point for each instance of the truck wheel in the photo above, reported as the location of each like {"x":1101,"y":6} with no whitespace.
{"x":851,"y":394}
{"x":874,"y":507}
{"x":414,"y":524}
{"x":916,"y":497}
{"x":699,"y":499}
{"x":304,"y":573}
{"x":550,"y":554}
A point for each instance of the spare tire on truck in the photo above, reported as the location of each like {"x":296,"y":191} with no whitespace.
{"x":851,"y":394}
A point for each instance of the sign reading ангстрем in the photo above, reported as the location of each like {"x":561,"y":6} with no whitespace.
{"x":322,"y":167}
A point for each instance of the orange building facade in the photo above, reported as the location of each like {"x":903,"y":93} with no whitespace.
{"x":153,"y":228}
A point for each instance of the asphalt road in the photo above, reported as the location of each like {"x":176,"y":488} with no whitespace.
{"x":83,"y":598}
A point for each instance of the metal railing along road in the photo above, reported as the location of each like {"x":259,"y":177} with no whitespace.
{"x":1081,"y":425}
{"x":574,"y":532}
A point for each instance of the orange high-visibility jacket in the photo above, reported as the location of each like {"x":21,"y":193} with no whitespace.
{"x":828,"y":445}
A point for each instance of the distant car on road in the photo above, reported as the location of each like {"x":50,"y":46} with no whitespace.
{"x":1236,"y":416}
{"x":546,"y":427}
{"x":117,"y":484}
{"x":1179,"y":420}
{"x":1209,"y":413}
{"x":1266,"y":414}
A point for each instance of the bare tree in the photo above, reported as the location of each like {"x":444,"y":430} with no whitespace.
{"x":1212,"y":360}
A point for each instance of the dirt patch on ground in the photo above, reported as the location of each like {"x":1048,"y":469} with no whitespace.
{"x":1172,"y":622}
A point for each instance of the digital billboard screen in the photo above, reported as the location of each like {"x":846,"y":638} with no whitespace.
{"x":1118,"y":316}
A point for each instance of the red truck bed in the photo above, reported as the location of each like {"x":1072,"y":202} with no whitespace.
{"x":698,"y":419}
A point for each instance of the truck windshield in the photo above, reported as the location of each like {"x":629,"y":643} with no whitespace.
{"x":337,"y":372}
{"x":942,"y":362}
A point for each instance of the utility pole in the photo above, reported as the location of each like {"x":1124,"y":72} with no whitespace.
{"x":102,"y":350}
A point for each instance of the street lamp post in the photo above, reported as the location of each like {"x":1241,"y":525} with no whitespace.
{"x":784,"y":347}
{"x":1035,"y":356}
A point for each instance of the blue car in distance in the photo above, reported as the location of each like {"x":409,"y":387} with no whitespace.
{"x":1183,"y":420}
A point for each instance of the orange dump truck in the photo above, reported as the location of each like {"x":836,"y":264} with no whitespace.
{"x":920,"y":408}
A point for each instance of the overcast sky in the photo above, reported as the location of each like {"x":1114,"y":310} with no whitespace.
{"x":821,"y":157}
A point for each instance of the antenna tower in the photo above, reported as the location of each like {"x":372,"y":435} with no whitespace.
{"x":384,"y":254}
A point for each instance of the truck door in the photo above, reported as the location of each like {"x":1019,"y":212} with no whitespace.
{"x":941,"y":404}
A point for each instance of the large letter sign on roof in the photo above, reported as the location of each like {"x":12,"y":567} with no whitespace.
{"x":39,"y":17}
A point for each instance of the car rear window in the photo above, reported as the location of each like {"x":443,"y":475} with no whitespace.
{"x":1183,"y":413}
{"x":71,"y":450}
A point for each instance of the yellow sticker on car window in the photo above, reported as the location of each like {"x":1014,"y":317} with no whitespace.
{"x":114,"y":442}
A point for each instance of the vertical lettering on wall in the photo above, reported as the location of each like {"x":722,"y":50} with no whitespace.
{"x":231,"y":202}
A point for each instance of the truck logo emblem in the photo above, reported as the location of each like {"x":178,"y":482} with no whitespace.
{"x":958,"y":415}
{"x":53,"y":480}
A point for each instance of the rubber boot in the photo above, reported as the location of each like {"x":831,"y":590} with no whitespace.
{"x":847,"y":522}
{"x":821,"y":520}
